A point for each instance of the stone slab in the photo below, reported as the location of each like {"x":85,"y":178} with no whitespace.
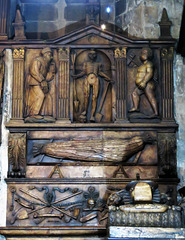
{"x":133,"y":233}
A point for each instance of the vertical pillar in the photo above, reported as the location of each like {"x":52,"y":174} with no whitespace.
{"x":167,"y":155}
{"x":17,"y":154}
{"x":167,"y":82}
{"x":63,"y":84}
{"x":18,"y":83}
{"x":121,"y":86}
{"x":4,"y":17}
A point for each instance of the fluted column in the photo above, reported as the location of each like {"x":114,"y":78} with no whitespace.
{"x":121,"y":86}
{"x":167,"y":81}
{"x":4,"y":19}
{"x":18,"y":83}
{"x":63,"y":84}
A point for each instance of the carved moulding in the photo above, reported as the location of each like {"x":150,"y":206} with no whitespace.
{"x":17,"y":154}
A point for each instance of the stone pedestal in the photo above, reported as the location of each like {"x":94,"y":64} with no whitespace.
{"x":133,"y":233}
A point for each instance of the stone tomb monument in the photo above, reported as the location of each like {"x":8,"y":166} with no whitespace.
{"x":90,"y":110}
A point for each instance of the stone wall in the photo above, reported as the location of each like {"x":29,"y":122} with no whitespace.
{"x":141,"y":17}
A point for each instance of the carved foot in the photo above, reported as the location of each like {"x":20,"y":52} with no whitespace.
{"x":92,"y":119}
{"x":39,"y":119}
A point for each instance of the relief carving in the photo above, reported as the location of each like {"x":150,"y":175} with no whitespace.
{"x":40,"y":205}
{"x":120,"y":53}
{"x":95,"y":150}
{"x":167,"y":155}
{"x":18,"y":53}
{"x":92,"y":70}
{"x":39,"y":102}
{"x":144,"y":81}
{"x":17,"y":154}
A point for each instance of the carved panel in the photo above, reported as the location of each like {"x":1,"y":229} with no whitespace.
{"x":93,"y":153}
{"x":17,"y":155}
{"x":167,"y":155}
{"x":54,"y":205}
{"x":92,"y":82}
{"x":143,"y":85}
{"x":40,"y":86}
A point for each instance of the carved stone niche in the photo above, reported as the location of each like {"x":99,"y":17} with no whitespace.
{"x":144,"y":84}
{"x":40,"y":86}
{"x":93,"y":76}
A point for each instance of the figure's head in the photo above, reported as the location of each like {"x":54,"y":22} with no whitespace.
{"x":47,"y":54}
{"x":146,"y":53}
{"x":92,"y":55}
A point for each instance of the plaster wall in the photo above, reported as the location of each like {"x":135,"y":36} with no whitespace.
{"x":141,"y":17}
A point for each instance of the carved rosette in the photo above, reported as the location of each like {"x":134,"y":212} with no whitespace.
{"x":167,"y":81}
{"x":167,"y":155}
{"x":63,"y":84}
{"x":17,"y":154}
{"x":18,"y":83}
{"x":121,"y":91}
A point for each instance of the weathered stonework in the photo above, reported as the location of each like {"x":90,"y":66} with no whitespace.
{"x":3,"y":148}
{"x":141,"y":18}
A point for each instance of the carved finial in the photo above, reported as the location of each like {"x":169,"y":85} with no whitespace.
{"x":165,"y":25}
{"x":19,"y":26}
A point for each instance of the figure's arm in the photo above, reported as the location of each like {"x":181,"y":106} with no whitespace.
{"x":51,"y":73}
{"x":81,"y":74}
{"x":35,"y":71}
{"x":105,"y":76}
{"x":147,"y":77}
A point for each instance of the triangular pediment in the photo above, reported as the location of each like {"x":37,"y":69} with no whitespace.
{"x":93,"y":35}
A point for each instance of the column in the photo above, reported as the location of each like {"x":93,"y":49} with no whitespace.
{"x":4,"y":17}
{"x":121,"y":86}
{"x":18,"y":83}
{"x":167,"y":83}
{"x":63,"y":84}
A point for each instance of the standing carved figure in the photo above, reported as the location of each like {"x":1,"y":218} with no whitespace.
{"x":39,"y":106}
{"x":91,"y":70}
{"x":144,"y":82}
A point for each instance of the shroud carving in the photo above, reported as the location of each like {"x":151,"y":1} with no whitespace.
{"x":95,"y":150}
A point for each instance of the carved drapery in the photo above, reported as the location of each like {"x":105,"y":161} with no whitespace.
{"x":167,"y":81}
{"x":121,"y":91}
{"x":18,"y":83}
{"x":63,"y":84}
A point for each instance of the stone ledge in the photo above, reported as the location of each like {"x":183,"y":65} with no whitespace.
{"x":119,"y":233}
{"x":52,"y":231}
